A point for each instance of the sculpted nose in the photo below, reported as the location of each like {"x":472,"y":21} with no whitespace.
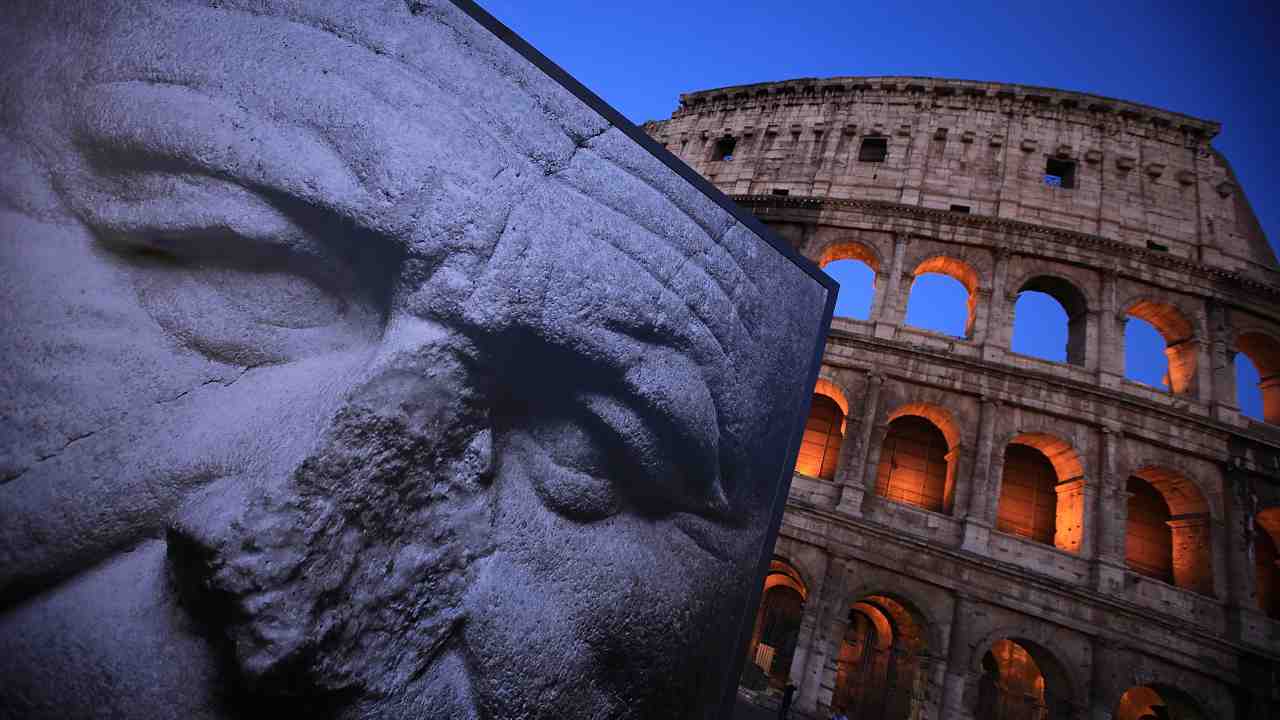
{"x":420,"y":382}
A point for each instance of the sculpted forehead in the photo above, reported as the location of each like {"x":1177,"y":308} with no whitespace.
{"x":513,"y":203}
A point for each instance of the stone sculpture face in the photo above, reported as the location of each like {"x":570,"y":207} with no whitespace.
{"x":352,"y":365}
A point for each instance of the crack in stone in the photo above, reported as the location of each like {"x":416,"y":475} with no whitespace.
{"x":41,"y":459}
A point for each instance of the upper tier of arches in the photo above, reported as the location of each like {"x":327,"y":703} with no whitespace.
{"x":1097,"y":312}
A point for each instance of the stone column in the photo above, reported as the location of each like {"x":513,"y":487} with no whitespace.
{"x":1104,"y":678}
{"x":954,"y":458}
{"x":1193,"y":552}
{"x":806,"y":664}
{"x":1092,"y":341}
{"x":1112,"y":512}
{"x":977,"y":520}
{"x":958,"y":674}
{"x":1241,"y":503}
{"x":883,"y":282}
{"x":874,"y":444}
{"x":1073,"y":531}
{"x":995,"y":479}
{"x":853,"y":456}
{"x":817,"y":682}
{"x":895,"y":303}
{"x":1111,"y":334}
{"x":996,"y":330}
{"x":980,"y":320}
{"x":1204,"y":372}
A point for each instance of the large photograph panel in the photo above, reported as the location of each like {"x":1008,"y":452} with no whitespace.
{"x":359,"y":363}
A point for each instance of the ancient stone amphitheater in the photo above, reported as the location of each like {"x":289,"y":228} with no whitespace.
{"x":977,"y":533}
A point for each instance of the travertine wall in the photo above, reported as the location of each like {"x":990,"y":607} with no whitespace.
{"x":1155,"y":227}
{"x":1142,"y":174}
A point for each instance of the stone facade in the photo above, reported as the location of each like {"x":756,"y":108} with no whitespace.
{"x":1140,"y":217}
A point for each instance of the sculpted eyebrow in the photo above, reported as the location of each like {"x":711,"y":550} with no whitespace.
{"x":145,"y":125}
{"x":273,"y":174}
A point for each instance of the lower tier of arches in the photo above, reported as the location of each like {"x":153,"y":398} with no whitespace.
{"x":876,"y":637}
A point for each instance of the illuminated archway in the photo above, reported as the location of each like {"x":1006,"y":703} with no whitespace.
{"x":1157,"y":702}
{"x":1168,"y":536}
{"x":882,"y":662}
{"x":1021,"y":680}
{"x":823,"y":432}
{"x":1264,"y":352}
{"x":1181,"y":347}
{"x":1042,"y":491}
{"x":917,"y":458}
{"x":855,"y":266}
{"x":777,"y":626}
{"x":957,"y":270}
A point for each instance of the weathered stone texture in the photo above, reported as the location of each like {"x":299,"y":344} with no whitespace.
{"x":1154,"y":226}
{"x":353,"y":366}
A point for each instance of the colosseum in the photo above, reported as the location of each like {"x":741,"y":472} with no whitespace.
{"x":977,"y":533}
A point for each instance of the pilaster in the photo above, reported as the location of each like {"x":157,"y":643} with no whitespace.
{"x":853,"y":457}
{"x":895,"y":304}
{"x":959,"y":676}
{"x":996,"y":328}
{"x":1111,"y":334}
{"x":979,"y":519}
{"x":1112,"y":509}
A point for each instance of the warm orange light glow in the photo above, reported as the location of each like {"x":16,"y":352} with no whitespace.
{"x":820,"y":448}
{"x":1264,"y":351}
{"x":1181,"y":347}
{"x":913,"y":464}
{"x":1028,"y":501}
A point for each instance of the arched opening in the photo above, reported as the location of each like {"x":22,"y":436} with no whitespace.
{"x":1156,"y":702}
{"x":943,"y":297}
{"x":823,"y":435}
{"x":1266,"y":557}
{"x":1050,"y":320}
{"x":1028,"y":504}
{"x":854,"y":266}
{"x":1144,"y":357}
{"x":882,"y":666}
{"x":1042,"y":492}
{"x":1168,"y":535}
{"x":1021,"y":681}
{"x":857,"y":288}
{"x":915,"y":466}
{"x":1263,"y":390}
{"x":1248,"y":394}
{"x":777,"y":627}
{"x":1177,"y":343}
{"x":1148,"y":539}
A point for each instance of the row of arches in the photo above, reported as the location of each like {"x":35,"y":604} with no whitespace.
{"x":1161,"y":345}
{"x":886,"y":655}
{"x":1168,"y":531}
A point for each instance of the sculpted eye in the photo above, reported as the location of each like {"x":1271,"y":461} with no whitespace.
{"x":243,"y":277}
{"x":238,"y":301}
{"x":592,"y":454}
{"x":574,"y":468}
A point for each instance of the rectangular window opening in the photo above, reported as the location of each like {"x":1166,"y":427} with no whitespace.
{"x":1153,"y":245}
{"x":1060,"y":173}
{"x":873,"y":149}
{"x":780,"y":191}
{"x":724,"y":148}
{"x":960,"y":209}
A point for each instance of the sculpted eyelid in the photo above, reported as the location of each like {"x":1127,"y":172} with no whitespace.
{"x":635,"y":415}
{"x":193,"y":131}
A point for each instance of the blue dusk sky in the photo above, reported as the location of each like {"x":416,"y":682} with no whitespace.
{"x":1216,"y":61}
